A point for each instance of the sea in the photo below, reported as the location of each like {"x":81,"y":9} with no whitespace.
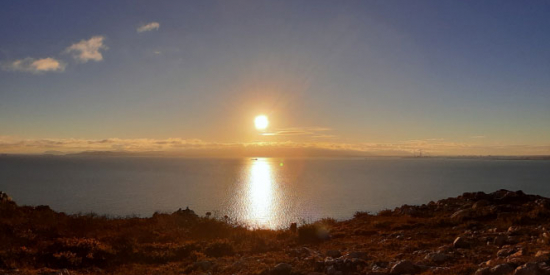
{"x":256,"y":192}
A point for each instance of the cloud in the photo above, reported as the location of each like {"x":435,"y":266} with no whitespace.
{"x":298,"y":131}
{"x":86,"y":50}
{"x":477,"y":137}
{"x":197,"y":147}
{"x":35,"y":66}
{"x":148,"y":27}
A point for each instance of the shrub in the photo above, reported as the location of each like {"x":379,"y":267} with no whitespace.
{"x":78,"y":252}
{"x":360,"y":214}
{"x":327,"y":221}
{"x":311,"y":233}
{"x":161,"y":253}
{"x":219,"y":249}
{"x":382,"y":224}
{"x":385,"y":213}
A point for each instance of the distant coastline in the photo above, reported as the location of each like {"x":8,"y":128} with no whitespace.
{"x":317,"y":154}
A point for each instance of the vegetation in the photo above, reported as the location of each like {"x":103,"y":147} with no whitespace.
{"x":501,"y":228}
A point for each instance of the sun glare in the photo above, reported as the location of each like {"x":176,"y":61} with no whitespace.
{"x":261,"y":122}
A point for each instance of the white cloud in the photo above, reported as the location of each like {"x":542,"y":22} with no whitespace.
{"x":148,"y":27}
{"x":86,"y":50}
{"x":35,"y":66}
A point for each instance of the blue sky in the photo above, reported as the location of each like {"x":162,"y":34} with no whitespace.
{"x":448,"y":77}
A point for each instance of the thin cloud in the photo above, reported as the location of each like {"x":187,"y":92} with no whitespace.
{"x":477,"y":137}
{"x":200,"y":147}
{"x":87,"y":50}
{"x":324,"y":136}
{"x":148,"y":27}
{"x":297,"y":131}
{"x":35,"y":66}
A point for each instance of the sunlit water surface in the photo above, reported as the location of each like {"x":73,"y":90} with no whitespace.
{"x":267,"y":193}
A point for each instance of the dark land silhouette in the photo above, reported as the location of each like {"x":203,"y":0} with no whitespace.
{"x":503,"y":232}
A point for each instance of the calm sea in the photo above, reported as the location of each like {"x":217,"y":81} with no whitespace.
{"x":269,"y":192}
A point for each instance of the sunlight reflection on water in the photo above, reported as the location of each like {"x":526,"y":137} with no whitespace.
{"x":261,"y":203}
{"x":256,"y":193}
{"x":263,"y":195}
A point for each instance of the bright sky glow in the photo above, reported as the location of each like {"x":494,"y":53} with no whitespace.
{"x":364,"y":77}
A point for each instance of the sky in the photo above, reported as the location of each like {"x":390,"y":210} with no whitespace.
{"x":364,"y":77}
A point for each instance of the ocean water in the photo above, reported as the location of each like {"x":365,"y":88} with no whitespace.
{"x":267,"y":192}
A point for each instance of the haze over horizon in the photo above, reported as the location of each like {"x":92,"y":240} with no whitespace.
{"x":358,"y":77}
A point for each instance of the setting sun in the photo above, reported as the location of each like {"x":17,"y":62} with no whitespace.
{"x":261,"y":122}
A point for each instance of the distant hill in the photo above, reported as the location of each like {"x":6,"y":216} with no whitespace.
{"x":53,"y":152}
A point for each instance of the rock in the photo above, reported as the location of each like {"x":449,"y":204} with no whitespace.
{"x":500,"y":240}
{"x":329,"y":261}
{"x":357,"y":255}
{"x":437,"y":257}
{"x":543,"y":255}
{"x":513,"y":230}
{"x":187,"y":213}
{"x":518,"y":253}
{"x":505,"y":252}
{"x":528,"y":269}
{"x":512,"y":240}
{"x":479,"y":204}
{"x":544,"y":268}
{"x":331,"y":270}
{"x":502,"y":269}
{"x":462,"y":215}
{"x":281,"y":269}
{"x":63,"y":271}
{"x":377,"y":268}
{"x":515,"y":261}
{"x":483,"y":271}
{"x":440,"y":269}
{"x":4,"y":198}
{"x":489,"y":263}
{"x":334,"y":253}
{"x":404,"y":267}
{"x":319,"y":266}
{"x":461,"y":242}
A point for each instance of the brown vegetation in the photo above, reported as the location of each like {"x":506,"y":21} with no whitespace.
{"x":498,"y":233}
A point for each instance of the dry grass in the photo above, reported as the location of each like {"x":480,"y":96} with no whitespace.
{"x":38,"y":239}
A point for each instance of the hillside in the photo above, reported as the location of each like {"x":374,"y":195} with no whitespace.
{"x":503,"y":232}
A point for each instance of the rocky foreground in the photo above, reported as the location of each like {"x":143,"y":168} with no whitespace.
{"x":503,"y":232}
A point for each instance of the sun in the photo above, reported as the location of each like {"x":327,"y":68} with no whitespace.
{"x":261,"y":122}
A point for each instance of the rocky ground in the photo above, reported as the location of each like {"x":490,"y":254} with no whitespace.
{"x":503,"y":232}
